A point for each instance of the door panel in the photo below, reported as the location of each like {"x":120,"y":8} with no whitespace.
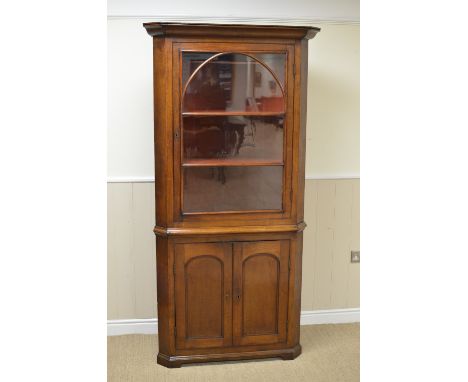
{"x":260,"y":292}
{"x":203,"y":285}
{"x":260,"y":288}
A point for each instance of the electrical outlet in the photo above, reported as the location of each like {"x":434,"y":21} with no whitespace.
{"x":355,"y":256}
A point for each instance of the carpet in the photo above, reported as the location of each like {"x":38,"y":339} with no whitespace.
{"x":329,"y":353}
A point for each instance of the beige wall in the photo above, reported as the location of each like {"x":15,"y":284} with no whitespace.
{"x":331,"y":206}
{"x":333,"y":103}
{"x":329,"y":279}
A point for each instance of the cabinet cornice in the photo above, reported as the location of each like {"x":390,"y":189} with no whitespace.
{"x":157,"y":29}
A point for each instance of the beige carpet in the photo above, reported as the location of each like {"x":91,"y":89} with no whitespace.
{"x":329,"y":353}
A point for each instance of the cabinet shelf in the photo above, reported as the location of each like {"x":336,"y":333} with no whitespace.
{"x":230,"y":162}
{"x":226,"y":62}
{"x":221,"y":113}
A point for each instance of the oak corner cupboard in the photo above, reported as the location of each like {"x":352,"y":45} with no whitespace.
{"x":229,"y":133}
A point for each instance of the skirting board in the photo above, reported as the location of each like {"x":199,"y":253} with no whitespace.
{"x":308,"y":317}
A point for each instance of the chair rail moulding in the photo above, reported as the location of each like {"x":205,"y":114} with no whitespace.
{"x":150,"y":179}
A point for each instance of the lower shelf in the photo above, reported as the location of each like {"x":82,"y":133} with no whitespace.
{"x":178,"y":360}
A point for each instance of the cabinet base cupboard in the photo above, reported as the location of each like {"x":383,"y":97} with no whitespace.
{"x":229,"y":133}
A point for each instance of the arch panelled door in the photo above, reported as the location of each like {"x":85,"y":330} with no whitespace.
{"x":231,"y":293}
{"x":229,"y":135}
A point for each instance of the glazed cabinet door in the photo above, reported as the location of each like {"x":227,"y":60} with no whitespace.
{"x":260,"y":292}
{"x":233,"y":131}
{"x":203,"y":285}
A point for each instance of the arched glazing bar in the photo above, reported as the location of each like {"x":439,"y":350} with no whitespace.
{"x":234,"y":81}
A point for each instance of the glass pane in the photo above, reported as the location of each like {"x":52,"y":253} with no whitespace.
{"x":233,"y":82}
{"x":276,"y":62}
{"x":192,"y":61}
{"x":233,"y":138}
{"x":216,"y":189}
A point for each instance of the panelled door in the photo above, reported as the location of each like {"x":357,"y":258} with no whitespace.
{"x":203,"y":284}
{"x":260,"y":292}
{"x":231,"y":293}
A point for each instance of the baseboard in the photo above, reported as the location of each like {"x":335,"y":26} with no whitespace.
{"x":134,"y":326}
{"x":308,"y":317}
{"x":332,"y":316}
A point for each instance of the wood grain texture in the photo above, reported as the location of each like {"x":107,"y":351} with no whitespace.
{"x":160,"y":231}
{"x":203,"y":284}
{"x":260,"y":292}
{"x":260,"y":289}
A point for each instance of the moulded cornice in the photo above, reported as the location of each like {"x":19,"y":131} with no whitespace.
{"x":158,"y":29}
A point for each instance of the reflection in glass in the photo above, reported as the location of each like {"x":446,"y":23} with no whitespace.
{"x":233,"y":137}
{"x":233,"y":82}
{"x":191,"y":61}
{"x":217,"y":189}
{"x":276,"y":62}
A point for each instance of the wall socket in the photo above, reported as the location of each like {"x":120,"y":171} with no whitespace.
{"x":355,"y":256}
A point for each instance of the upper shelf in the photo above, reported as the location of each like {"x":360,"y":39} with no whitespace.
{"x":231,"y":162}
{"x":211,"y":113}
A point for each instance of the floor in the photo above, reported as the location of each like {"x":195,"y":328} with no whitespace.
{"x":329,"y":353}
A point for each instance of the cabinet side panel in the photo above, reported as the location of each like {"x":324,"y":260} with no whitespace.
{"x":301,"y":62}
{"x":163,"y":292}
{"x":162,"y":124}
{"x":295,"y":282}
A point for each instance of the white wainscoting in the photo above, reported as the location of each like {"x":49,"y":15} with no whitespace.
{"x":308,"y":317}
